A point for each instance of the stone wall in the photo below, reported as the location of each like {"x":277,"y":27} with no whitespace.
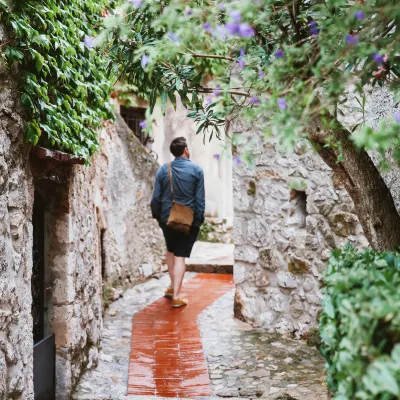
{"x":96,"y":228}
{"x":290,"y":212}
{"x":16,"y":198}
{"x":125,"y":175}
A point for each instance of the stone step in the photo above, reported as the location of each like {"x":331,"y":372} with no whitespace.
{"x":211,"y":258}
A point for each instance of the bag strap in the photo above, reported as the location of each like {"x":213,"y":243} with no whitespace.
{"x":170,"y":181}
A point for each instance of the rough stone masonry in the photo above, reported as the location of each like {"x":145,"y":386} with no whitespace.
{"x":289,"y":214}
{"x":97,"y":229}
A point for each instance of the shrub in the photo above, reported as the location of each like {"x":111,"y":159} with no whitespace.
{"x":360,"y":325}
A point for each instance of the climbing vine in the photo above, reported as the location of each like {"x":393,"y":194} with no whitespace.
{"x":62,"y":78}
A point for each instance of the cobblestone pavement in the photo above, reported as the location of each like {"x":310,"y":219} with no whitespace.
{"x":243,"y":362}
{"x":110,"y":379}
{"x":250,"y":363}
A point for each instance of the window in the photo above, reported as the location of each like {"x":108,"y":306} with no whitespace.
{"x":133,"y":116}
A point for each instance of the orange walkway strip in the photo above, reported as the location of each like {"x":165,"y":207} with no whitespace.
{"x":167,"y":358}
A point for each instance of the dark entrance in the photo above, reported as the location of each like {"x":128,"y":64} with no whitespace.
{"x":44,"y":346}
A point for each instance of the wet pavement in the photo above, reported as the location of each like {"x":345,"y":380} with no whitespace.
{"x":242,"y":362}
{"x":167,"y":357}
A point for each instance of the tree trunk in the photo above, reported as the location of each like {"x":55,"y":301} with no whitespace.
{"x":372,"y":199}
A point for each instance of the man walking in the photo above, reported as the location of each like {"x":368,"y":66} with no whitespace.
{"x":188,"y":190}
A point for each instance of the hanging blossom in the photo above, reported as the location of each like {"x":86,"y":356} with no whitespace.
{"x":145,"y":60}
{"x":378,"y":58}
{"x":396,"y":116}
{"x":217,"y":157}
{"x":208,"y":100}
{"x":207,"y":27}
{"x":242,"y":63}
{"x":143,"y":124}
{"x":235,"y":16}
{"x":237,"y":160}
{"x":254,"y":101}
{"x":217,"y":91}
{"x":352,"y":40}
{"x":173,"y":36}
{"x":89,"y":41}
{"x":282,"y":103}
{"x":359,"y":14}
{"x":261,"y":73}
{"x":188,"y":11}
{"x":136,"y":3}
{"x":279,"y":53}
{"x":313,"y":26}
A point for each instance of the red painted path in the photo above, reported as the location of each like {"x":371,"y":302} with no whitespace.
{"x":167,"y":358}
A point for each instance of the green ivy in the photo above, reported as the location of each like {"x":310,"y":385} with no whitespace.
{"x":63,"y":83}
{"x":360,"y":325}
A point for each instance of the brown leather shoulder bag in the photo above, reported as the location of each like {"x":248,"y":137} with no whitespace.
{"x":181,"y":216}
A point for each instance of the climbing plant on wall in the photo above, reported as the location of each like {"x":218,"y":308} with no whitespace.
{"x":63,"y":79}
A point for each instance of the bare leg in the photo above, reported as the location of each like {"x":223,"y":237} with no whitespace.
{"x":179,"y":273}
{"x":170,"y":262}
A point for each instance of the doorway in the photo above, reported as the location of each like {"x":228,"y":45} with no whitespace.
{"x":43,"y":344}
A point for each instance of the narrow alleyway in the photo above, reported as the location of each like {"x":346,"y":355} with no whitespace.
{"x":172,"y":360}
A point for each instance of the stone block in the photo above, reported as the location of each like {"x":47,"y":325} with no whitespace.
{"x":246,"y":253}
{"x":258,"y":233}
{"x":343,"y":224}
{"x":287,"y":280}
{"x":271,"y":259}
{"x":147,"y":270}
{"x":297,"y":265}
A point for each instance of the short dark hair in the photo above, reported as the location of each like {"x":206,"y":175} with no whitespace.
{"x":178,"y":146}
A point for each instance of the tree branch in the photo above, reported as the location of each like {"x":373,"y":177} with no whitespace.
{"x":195,"y":55}
{"x":234,"y":92}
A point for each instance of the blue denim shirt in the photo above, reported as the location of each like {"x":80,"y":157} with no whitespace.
{"x":188,"y":181}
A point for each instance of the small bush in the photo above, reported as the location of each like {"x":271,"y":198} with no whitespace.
{"x":360,"y":325}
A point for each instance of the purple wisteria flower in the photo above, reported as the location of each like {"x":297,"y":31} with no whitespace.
{"x":232,"y":28}
{"x":378,"y":58}
{"x":236,"y":16}
{"x":207,"y":27}
{"x":396,"y":116}
{"x":220,"y":32}
{"x":261,"y":73}
{"x":254,"y":101}
{"x":217,"y":91}
{"x":136,"y":3}
{"x":143,"y":124}
{"x":173,"y":36}
{"x":282,"y":103}
{"x":242,"y":63}
{"x":313,"y":26}
{"x":145,"y":60}
{"x":279,"y":53}
{"x":217,"y":156}
{"x":242,"y":53}
{"x":237,"y":160}
{"x":221,"y":7}
{"x":188,"y":11}
{"x":359,"y":14}
{"x":352,"y":40}
{"x":208,"y":100}
{"x":89,"y":41}
{"x":245,"y":30}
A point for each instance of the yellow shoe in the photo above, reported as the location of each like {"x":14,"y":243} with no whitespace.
{"x":169,"y":293}
{"x":176,"y":303}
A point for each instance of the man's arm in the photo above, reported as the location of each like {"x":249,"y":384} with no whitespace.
{"x":157,"y":196}
{"x":200,"y":201}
